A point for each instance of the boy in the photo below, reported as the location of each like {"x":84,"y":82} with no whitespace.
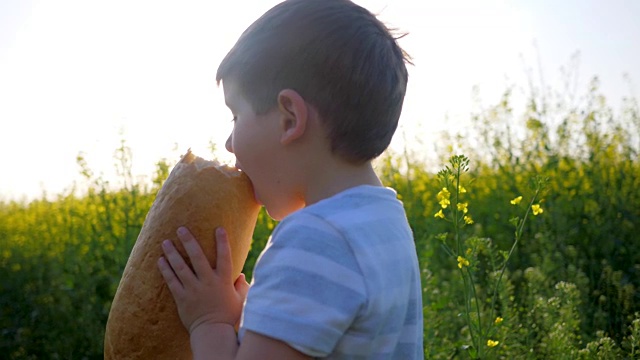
{"x":316,"y":89}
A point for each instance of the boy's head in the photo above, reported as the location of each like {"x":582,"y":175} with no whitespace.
{"x":338,"y":57}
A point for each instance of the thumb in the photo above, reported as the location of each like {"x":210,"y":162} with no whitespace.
{"x":242,"y":286}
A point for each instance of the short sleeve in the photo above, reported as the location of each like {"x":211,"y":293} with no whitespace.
{"x":307,"y":287}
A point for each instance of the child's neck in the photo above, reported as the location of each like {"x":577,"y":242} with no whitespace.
{"x":336,"y":177}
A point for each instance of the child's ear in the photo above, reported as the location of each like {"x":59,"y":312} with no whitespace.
{"x":294,"y":113}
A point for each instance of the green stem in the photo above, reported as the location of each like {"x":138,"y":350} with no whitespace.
{"x":455,"y":211}
{"x":467,"y":299}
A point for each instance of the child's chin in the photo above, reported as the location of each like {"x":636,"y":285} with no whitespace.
{"x":277,"y":216}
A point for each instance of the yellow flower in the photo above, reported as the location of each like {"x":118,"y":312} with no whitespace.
{"x":468,"y":252}
{"x":498,"y":320}
{"x":439,"y":214}
{"x":444,"y":194}
{"x":462,"y":262}
{"x":443,"y":197}
{"x":463,"y":207}
{"x":468,"y":220}
{"x":492,"y":343}
{"x":537,"y":209}
{"x":462,"y":190}
{"x":516,"y":201}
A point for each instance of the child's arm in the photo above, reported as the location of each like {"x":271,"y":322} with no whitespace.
{"x":210,"y":302}
{"x":211,"y":341}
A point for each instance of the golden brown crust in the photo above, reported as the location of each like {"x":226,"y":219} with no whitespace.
{"x":143,"y":321}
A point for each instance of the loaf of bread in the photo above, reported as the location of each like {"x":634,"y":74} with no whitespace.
{"x":201,"y":195}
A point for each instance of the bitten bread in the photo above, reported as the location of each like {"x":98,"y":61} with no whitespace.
{"x":201,"y":195}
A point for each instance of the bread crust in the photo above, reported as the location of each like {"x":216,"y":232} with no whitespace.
{"x":143,"y":320}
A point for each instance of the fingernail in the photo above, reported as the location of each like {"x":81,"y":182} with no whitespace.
{"x":166,"y":244}
{"x":219,"y":231}
{"x":182,"y":230}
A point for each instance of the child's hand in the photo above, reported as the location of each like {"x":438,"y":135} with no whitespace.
{"x":208,"y":295}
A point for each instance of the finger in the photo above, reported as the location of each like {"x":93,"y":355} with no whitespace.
{"x":224,"y":265}
{"x":177,"y":263}
{"x":199,"y":261}
{"x":173,"y":283}
{"x":242,"y":286}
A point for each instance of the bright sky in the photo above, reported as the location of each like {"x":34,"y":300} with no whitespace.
{"x":74,"y":75}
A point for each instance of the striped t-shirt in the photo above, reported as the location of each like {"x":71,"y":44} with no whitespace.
{"x":339,"y":279}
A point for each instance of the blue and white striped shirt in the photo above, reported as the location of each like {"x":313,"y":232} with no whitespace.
{"x":339,"y":279}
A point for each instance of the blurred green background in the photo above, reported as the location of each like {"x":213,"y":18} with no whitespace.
{"x":570,"y":289}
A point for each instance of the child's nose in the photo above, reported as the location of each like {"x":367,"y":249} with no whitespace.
{"x":227,"y":145}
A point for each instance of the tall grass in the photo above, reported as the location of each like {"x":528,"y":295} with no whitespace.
{"x":569,"y":290}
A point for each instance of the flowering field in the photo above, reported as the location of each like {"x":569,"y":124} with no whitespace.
{"x":528,"y":243}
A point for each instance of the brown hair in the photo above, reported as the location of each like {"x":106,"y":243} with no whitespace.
{"x":339,"y":57}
